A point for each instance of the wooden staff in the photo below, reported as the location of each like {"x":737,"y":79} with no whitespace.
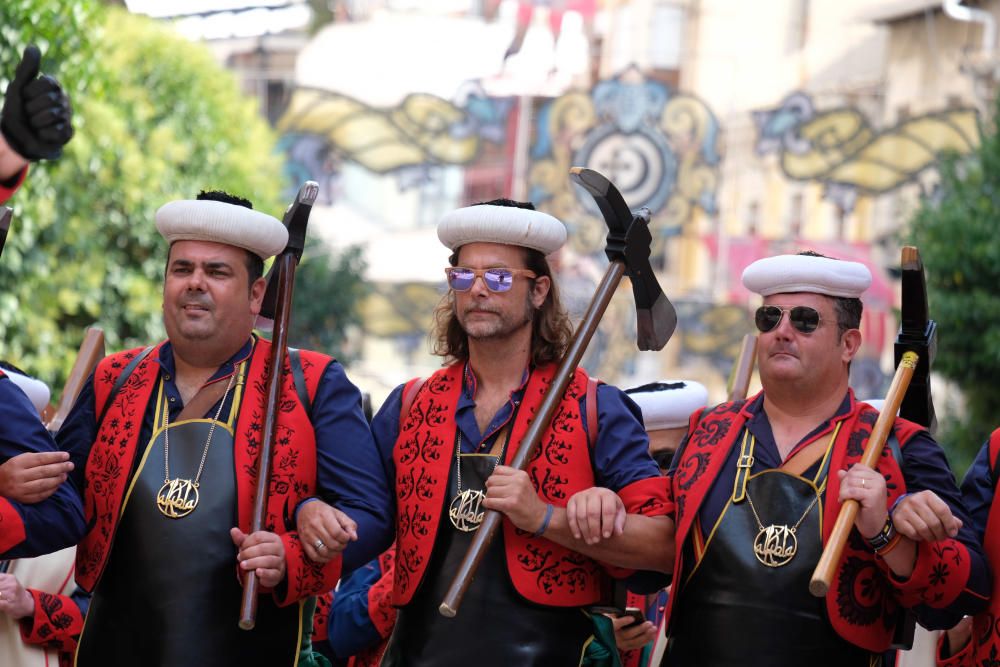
{"x":739,"y":378}
{"x":825,"y":569}
{"x":91,"y":352}
{"x":628,"y":250}
{"x":5,"y":214}
{"x":280,"y":286}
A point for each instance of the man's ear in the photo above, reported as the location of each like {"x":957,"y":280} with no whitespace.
{"x":540,"y":290}
{"x":257,"y":295}
{"x":851,"y":342}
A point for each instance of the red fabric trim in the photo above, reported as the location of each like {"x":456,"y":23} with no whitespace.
{"x":56,"y":623}
{"x":380,"y":609}
{"x":8,"y":192}
{"x":11,"y":526}
{"x":303,"y":576}
{"x":646,"y":496}
{"x":964,"y":658}
{"x":321,"y":617}
{"x":370,"y":657}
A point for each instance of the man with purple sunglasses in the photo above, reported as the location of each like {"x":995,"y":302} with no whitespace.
{"x":445,"y":441}
{"x":758,"y":484}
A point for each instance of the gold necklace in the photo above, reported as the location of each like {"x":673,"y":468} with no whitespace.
{"x":466,"y":509}
{"x":178,"y":497}
{"x":776,"y":545}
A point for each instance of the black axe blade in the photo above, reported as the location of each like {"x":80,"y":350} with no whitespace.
{"x":917,"y":333}
{"x":628,"y":242}
{"x":5,"y":215}
{"x":296,"y":219}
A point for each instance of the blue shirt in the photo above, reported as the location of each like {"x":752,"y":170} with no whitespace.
{"x":619,"y":457}
{"x":350,"y":629}
{"x":347,"y":468}
{"x":56,"y":522}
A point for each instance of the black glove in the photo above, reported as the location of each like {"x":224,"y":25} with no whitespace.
{"x":37,"y":118}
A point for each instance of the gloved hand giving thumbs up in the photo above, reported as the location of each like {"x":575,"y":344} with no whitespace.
{"x":36,"y":120}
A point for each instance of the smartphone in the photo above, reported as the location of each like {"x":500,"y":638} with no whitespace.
{"x":637,"y":615}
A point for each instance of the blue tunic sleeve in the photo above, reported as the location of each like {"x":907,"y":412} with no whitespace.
{"x":56,"y":522}
{"x":977,"y":492}
{"x":621,"y":453}
{"x":349,"y":473}
{"x":925,"y":467}
{"x":350,"y":629}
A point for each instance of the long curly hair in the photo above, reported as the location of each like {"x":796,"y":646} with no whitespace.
{"x":550,"y":327}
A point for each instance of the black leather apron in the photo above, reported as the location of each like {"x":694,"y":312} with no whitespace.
{"x":495,"y":626}
{"x":169,"y":596}
{"x":735,"y":611}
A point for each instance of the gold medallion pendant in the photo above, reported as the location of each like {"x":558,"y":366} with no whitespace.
{"x":177,"y":498}
{"x":775,"y":546}
{"x":465,"y":510}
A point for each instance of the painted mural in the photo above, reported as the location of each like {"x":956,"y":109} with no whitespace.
{"x":658,"y":146}
{"x":840,"y":148}
{"x":322,"y":128}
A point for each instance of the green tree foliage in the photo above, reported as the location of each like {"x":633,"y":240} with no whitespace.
{"x":956,"y":232}
{"x":328,"y":289}
{"x":156,"y":119}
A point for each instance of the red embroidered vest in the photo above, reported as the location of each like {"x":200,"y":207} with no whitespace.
{"x":109,"y":464}
{"x":542,"y":571}
{"x":860,"y":603}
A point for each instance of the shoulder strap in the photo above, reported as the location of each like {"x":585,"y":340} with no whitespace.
{"x":592,"y":384}
{"x":299,"y":379}
{"x":994,"y":454}
{"x":120,"y":382}
{"x":410,"y":392}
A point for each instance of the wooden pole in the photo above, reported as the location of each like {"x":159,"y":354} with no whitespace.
{"x":827,"y":566}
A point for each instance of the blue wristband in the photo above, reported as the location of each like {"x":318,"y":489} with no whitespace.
{"x":545,"y":522}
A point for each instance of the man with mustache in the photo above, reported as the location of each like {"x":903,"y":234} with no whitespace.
{"x":758,"y":484}
{"x":501,"y":329}
{"x":165,"y":445}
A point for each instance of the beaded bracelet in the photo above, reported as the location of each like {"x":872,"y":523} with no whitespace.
{"x":545,"y":522}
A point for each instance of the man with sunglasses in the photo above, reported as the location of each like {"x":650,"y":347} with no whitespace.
{"x":758,"y":485}
{"x":502,"y":330}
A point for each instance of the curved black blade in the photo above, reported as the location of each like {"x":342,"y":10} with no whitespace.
{"x":629,"y":242}
{"x":296,"y":219}
{"x":5,"y":216}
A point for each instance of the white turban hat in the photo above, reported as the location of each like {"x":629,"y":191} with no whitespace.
{"x":510,"y":225}
{"x":668,"y":403}
{"x":784,"y":274}
{"x":36,"y":390}
{"x":221,"y":222}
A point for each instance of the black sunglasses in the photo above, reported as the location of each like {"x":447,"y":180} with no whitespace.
{"x":804,"y":318}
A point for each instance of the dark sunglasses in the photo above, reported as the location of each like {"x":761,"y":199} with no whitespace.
{"x":461,"y":279}
{"x":803,"y":318}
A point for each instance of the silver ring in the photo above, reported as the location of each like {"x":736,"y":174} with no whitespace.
{"x":862,"y":482}
{"x":320,"y":545}
{"x":1,"y":595}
